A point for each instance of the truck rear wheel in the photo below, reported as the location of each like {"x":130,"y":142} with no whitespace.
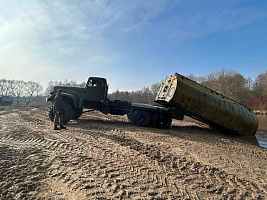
{"x":162,"y":120}
{"x":77,"y":113}
{"x":141,"y":118}
{"x":67,"y":112}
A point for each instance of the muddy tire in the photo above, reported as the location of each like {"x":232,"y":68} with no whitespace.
{"x":77,"y":113}
{"x":141,"y":118}
{"x":51,"y":114}
{"x":67,"y":112}
{"x":161,"y":120}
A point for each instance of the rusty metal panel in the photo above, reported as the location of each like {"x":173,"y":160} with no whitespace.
{"x":207,"y":105}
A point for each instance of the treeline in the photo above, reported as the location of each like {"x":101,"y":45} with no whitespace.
{"x":52,"y":84}
{"x":31,"y":93}
{"x":23,"y":92}
{"x":252,"y":93}
{"x":145,"y":95}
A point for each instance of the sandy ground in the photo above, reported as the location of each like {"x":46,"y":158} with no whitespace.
{"x":106,"y":157}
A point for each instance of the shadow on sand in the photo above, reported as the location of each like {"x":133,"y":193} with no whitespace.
{"x":191,"y":133}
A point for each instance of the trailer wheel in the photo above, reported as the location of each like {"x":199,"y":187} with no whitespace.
{"x":67,"y":112}
{"x":51,"y":114}
{"x":162,"y":120}
{"x":141,"y":118}
{"x":77,"y":113}
{"x":130,"y":117}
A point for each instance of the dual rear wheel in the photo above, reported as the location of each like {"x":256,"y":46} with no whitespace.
{"x":162,"y":120}
{"x":141,"y":118}
{"x":144,"y":118}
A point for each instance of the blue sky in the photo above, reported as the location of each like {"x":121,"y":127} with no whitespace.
{"x":133,"y":43}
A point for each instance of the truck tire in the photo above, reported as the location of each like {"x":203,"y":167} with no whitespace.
{"x":141,"y":118}
{"x":130,"y":117}
{"x":67,"y":112}
{"x":77,"y":113}
{"x":162,"y":120}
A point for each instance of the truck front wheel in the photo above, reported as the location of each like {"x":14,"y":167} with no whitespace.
{"x":162,"y":120}
{"x":141,"y":118}
{"x":67,"y":112}
{"x":77,"y":113}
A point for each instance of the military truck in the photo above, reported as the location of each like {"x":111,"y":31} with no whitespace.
{"x":178,"y":96}
{"x":6,"y":100}
{"x":77,"y":100}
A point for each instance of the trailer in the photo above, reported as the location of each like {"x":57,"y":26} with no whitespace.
{"x":206,"y":105}
{"x":143,"y":114}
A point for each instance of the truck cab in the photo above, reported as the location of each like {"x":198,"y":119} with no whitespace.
{"x":96,"y":89}
{"x":76,"y":98}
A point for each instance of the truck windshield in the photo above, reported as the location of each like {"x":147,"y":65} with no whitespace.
{"x":93,"y":83}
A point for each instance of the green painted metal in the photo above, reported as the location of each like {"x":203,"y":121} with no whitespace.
{"x":207,"y":105}
{"x":95,"y":90}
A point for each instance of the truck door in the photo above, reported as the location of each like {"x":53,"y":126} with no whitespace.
{"x":96,"y":89}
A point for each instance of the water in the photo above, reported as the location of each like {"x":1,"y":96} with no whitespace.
{"x":261,"y":134}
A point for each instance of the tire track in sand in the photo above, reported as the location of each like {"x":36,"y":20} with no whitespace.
{"x":88,"y":164}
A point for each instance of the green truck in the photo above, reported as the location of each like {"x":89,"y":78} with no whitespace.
{"x":77,"y":100}
{"x":177,"y":96}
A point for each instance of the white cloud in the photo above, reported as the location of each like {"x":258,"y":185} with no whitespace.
{"x":42,"y":41}
{"x":139,"y":13}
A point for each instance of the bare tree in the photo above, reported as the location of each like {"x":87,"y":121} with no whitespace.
{"x":260,"y":85}
{"x":2,"y":86}
{"x":258,"y":98}
{"x":154,"y":89}
{"x":32,"y":90}
{"x":7,"y":87}
{"x":52,"y":84}
{"x":192,"y":77}
{"x":69,"y":83}
{"x":83,"y":84}
{"x":145,"y":95}
{"x":229,"y":83}
{"x":19,"y":89}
